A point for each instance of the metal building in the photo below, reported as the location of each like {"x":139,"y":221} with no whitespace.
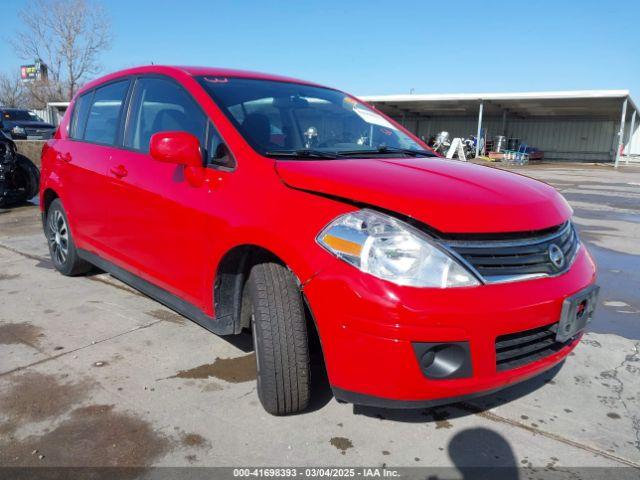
{"x":589,"y":125}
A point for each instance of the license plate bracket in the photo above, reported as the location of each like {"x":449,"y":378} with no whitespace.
{"x":577,"y":313}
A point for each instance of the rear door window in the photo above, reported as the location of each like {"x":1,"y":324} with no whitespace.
{"x":103,"y":120}
{"x":161,"y":105}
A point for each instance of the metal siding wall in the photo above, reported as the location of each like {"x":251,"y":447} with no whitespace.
{"x":632,"y":146}
{"x":560,"y":139}
{"x":50,"y":115}
{"x":587,"y":140}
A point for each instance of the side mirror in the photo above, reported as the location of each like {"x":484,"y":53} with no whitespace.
{"x":181,"y":148}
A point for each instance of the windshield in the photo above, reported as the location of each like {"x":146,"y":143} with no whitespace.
{"x":21,"y":116}
{"x":282,"y":118}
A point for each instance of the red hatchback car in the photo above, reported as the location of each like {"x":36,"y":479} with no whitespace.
{"x":250,"y":201}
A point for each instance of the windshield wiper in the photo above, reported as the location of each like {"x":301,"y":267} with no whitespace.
{"x":383,"y":150}
{"x":303,"y":153}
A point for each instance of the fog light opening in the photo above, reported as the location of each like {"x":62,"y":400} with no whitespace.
{"x":444,"y":360}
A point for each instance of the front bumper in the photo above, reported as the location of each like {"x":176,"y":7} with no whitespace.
{"x":368,"y":328}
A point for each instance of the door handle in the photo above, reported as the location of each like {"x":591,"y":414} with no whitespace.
{"x":63,"y":157}
{"x":119,"y":171}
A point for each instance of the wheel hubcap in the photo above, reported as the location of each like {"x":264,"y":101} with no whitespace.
{"x":58,"y":237}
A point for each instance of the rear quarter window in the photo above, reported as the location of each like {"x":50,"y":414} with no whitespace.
{"x":79,"y":116}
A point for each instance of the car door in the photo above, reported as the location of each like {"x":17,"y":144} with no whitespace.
{"x":83,"y":158}
{"x":157,"y":219}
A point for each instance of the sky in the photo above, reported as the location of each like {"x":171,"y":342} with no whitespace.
{"x":381,"y":47}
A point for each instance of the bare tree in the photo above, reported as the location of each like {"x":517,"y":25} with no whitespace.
{"x":12,"y":92}
{"x":68,"y":36}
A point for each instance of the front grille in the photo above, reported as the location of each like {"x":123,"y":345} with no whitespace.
{"x":517,"y":349}
{"x":44,"y":132}
{"x":498,"y":260}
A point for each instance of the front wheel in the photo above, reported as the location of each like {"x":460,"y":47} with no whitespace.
{"x":280,"y":339}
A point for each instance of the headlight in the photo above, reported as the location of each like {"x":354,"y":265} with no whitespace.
{"x":17,"y":130}
{"x":390,"y":249}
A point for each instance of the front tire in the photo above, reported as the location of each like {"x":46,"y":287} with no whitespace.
{"x":61,"y":246}
{"x":280,"y":339}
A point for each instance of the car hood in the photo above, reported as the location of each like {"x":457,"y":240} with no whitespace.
{"x":29,"y":124}
{"x":448,"y":195}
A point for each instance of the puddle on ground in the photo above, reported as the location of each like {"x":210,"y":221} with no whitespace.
{"x":44,"y":263}
{"x":341,"y":443}
{"x":34,"y":397}
{"x":16,"y":333}
{"x":618,"y":277}
{"x":618,"y":202}
{"x":95,"y":435}
{"x":167,"y":316}
{"x":233,"y":370}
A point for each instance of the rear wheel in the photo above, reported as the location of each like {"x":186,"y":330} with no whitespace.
{"x":280,"y":339}
{"x":61,"y":247}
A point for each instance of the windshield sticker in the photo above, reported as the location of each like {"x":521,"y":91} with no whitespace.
{"x":216,"y":79}
{"x":372,"y":117}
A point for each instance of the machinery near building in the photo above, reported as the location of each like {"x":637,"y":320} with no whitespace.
{"x":583,"y":125}
{"x":511,"y":151}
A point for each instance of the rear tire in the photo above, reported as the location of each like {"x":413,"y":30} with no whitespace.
{"x":22,"y":183}
{"x":31,"y":176}
{"x":62,"y":249}
{"x":280,"y":339}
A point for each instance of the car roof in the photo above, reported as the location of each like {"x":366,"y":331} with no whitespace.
{"x":193,"y":71}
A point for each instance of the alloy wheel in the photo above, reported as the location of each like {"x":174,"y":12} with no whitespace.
{"x":58,"y":237}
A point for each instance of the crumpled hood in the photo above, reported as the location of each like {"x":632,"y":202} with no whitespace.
{"x":448,"y":195}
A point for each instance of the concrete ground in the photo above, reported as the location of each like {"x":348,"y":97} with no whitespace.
{"x":94,"y":373}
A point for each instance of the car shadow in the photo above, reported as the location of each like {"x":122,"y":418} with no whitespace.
{"x":321,"y":393}
{"x":482,"y":453}
{"x":461,"y":409}
{"x":242,"y":341}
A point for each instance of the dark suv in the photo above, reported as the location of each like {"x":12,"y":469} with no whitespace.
{"x":22,"y":124}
